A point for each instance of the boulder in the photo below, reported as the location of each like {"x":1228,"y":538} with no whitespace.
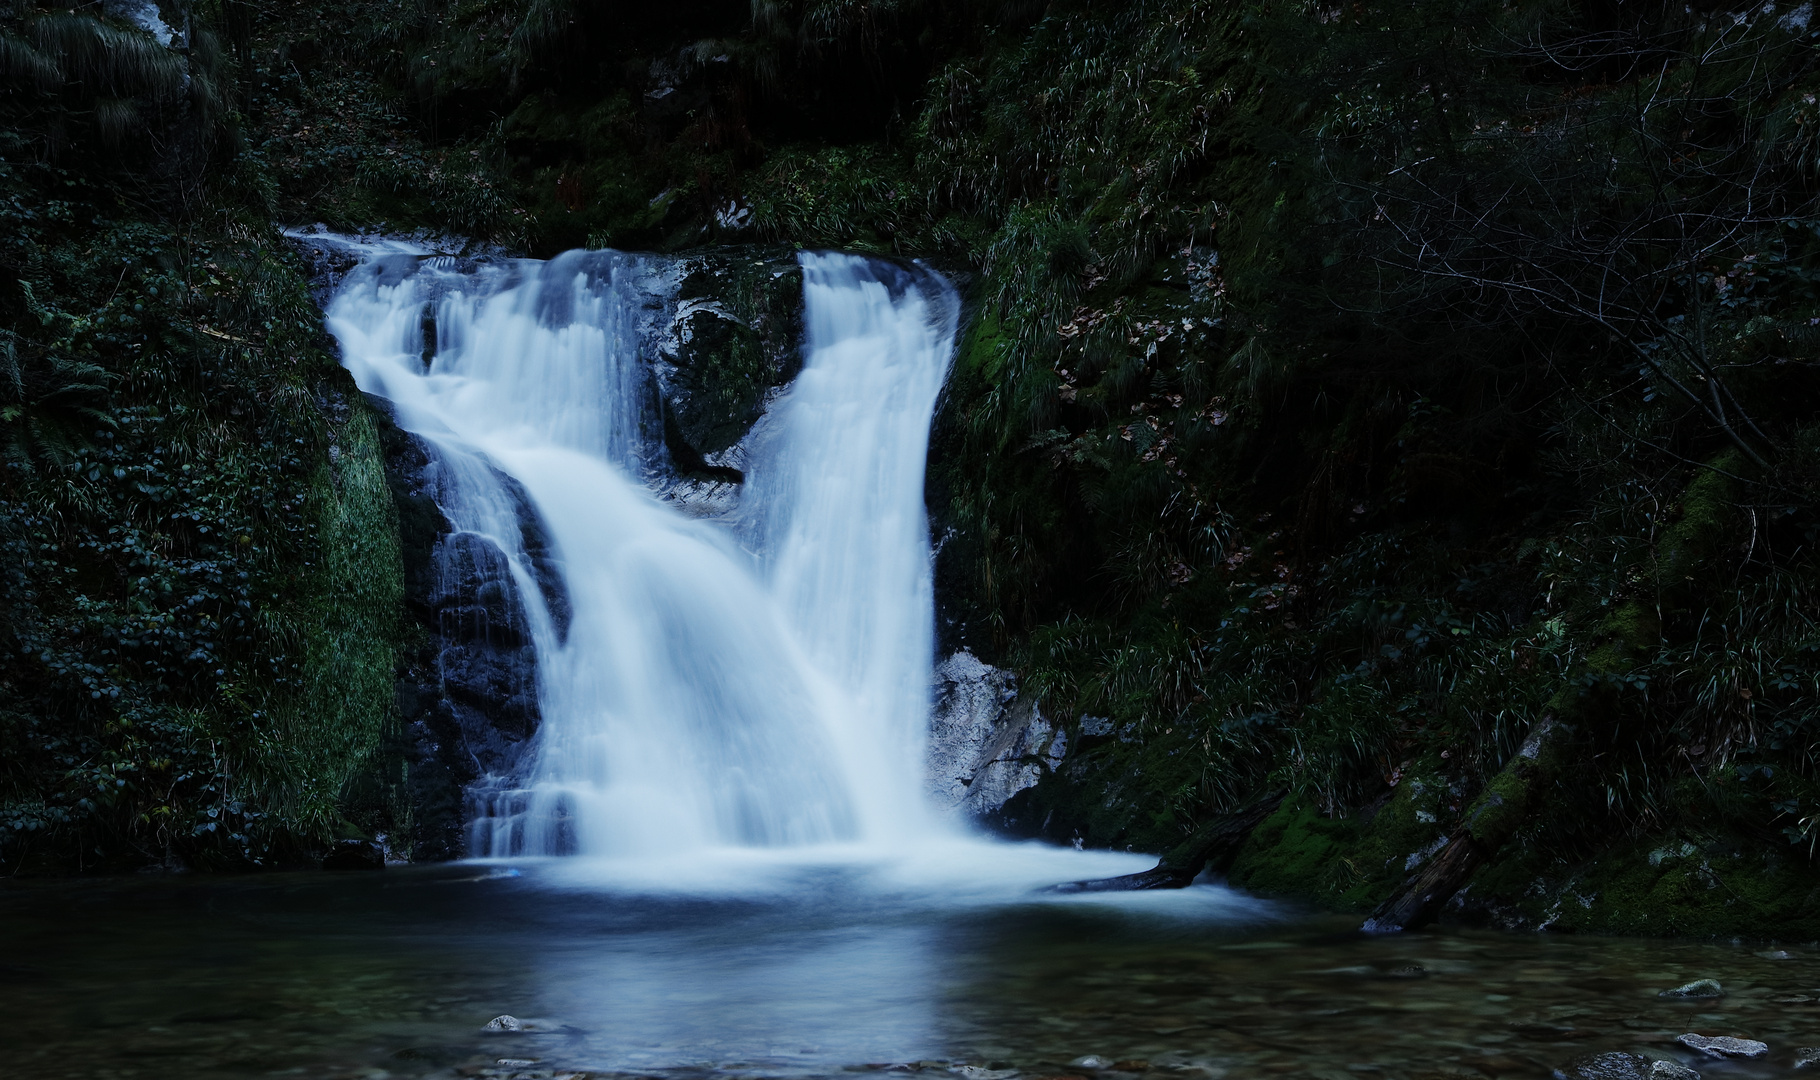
{"x":1724,"y":1046}
{"x":965,"y":726}
{"x":1618,"y":1065}
{"x":732,"y":337}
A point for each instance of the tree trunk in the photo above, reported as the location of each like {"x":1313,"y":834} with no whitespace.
{"x":1216,"y":839}
{"x":1493,"y":818}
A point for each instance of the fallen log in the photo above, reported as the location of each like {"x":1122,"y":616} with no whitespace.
{"x":1490,"y":821}
{"x":1184,"y":862}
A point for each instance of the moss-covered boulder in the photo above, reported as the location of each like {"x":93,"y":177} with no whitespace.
{"x":733,"y":337}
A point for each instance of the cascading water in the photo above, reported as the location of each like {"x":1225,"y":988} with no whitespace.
{"x":699,"y":695}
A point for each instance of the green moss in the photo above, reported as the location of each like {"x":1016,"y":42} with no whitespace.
{"x":1297,"y":853}
{"x":1664,"y":885}
{"x":1502,"y":808}
{"x":982,"y":350}
{"x":1633,"y":625}
{"x":351,"y":625}
{"x":1348,"y":864}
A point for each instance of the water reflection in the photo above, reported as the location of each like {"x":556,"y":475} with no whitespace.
{"x":729,"y":997}
{"x":824,"y":970}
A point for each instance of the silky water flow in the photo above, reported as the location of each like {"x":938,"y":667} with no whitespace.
{"x":756,"y":682}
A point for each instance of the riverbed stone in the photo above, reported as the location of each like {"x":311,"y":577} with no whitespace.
{"x":1699,"y":988}
{"x":505,"y":1022}
{"x":1807,"y":1057}
{"x":1724,"y":1046}
{"x":1618,"y":1065}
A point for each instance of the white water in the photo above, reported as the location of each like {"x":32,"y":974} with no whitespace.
{"x":703,"y":696}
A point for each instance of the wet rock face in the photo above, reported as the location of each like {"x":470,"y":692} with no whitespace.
{"x":986,"y":743}
{"x":734,"y":336}
{"x":725,"y":336}
{"x":466,"y":685}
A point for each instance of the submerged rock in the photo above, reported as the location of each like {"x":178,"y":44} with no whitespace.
{"x":505,"y":1022}
{"x":1807,"y":1057}
{"x":1724,"y":1046}
{"x":1618,"y":1065}
{"x":1699,"y":988}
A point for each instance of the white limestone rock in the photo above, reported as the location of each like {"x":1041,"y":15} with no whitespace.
{"x":985,"y":743}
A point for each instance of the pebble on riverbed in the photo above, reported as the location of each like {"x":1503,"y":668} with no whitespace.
{"x":505,"y":1022}
{"x":1724,"y":1046}
{"x":1617,"y":1065}
{"x":1807,"y":1057}
{"x":1699,"y":988}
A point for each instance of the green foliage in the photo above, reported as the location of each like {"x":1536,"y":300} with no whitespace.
{"x":200,"y":591}
{"x":1389,"y":477}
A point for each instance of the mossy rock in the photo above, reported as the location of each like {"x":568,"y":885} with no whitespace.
{"x":734,"y":337}
{"x":1666,"y":885}
{"x":1345,"y":863}
{"x":1114,"y":791}
{"x":1294,"y":853}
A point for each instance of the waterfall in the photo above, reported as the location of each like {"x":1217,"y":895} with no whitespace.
{"x":761,"y":681}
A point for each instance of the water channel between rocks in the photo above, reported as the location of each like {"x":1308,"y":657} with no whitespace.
{"x":820,"y":971}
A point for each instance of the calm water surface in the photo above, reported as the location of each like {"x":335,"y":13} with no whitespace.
{"x":395,"y":974}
